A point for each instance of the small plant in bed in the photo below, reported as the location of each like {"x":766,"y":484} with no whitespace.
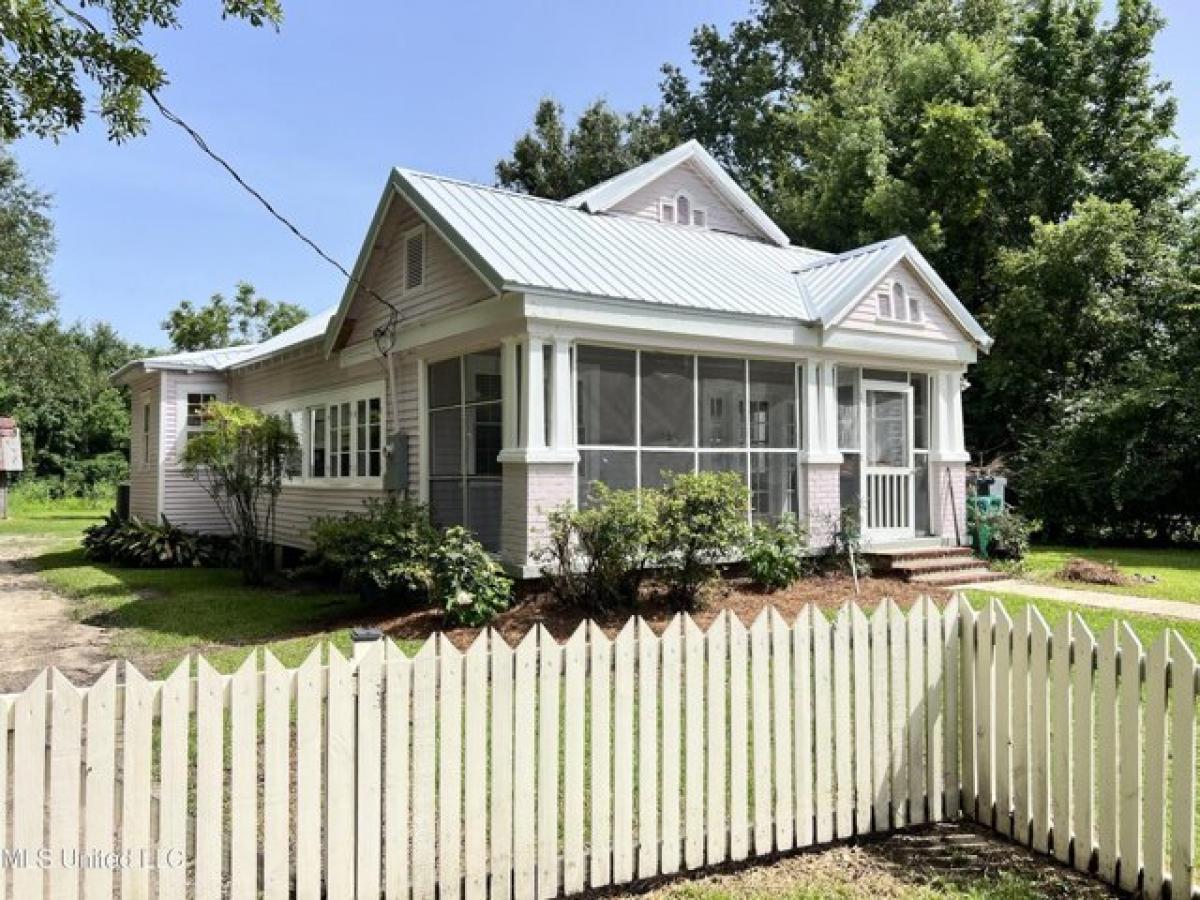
{"x":775,"y":554}
{"x":468,"y":584}
{"x":384,"y":552}
{"x":132,"y":542}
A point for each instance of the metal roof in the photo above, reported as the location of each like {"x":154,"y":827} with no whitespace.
{"x":225,"y":358}
{"x":607,"y":194}
{"x":519,"y":242}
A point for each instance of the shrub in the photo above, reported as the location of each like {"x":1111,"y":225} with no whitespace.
{"x":844,"y":554}
{"x":383,"y":551}
{"x":137,"y":544}
{"x":701,"y":521}
{"x":597,"y":556}
{"x":467,"y":583}
{"x":775,"y":555}
{"x":1008,"y":532}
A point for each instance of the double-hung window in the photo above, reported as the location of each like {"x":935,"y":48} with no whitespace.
{"x":146,"y":428}
{"x":341,"y":436}
{"x":194,"y":420}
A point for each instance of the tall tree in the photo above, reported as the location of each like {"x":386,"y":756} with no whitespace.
{"x":56,"y":54}
{"x":246,"y":319}
{"x":26,"y":247}
{"x":553,"y":161}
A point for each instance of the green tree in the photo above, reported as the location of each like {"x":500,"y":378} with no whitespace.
{"x":246,"y":319}
{"x":26,"y":247}
{"x":552,"y":161}
{"x":59,"y":57}
{"x":240,"y":459}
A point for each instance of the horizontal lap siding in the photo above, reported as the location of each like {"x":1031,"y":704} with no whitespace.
{"x":449,"y":283}
{"x":299,"y":506}
{"x":185,"y":502}
{"x":644,"y":202}
{"x":935,"y":323}
{"x":143,"y":476}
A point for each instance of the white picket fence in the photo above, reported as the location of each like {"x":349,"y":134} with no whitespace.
{"x":552,"y":769}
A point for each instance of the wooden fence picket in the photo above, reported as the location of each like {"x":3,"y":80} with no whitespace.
{"x":1060,"y":740}
{"x":1129,"y":803}
{"x":558,"y":769}
{"x":1082,"y":747}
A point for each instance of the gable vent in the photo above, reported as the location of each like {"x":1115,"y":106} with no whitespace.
{"x":414,"y":259}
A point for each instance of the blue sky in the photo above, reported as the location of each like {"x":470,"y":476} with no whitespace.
{"x":316,"y":114}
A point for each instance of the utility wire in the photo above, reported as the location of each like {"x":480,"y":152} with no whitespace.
{"x":385,"y":334}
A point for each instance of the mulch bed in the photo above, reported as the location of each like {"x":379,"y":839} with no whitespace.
{"x":737,"y":595}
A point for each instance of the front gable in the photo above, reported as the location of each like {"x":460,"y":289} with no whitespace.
{"x":902,"y":304}
{"x":658,"y":200}
{"x":400,"y":240}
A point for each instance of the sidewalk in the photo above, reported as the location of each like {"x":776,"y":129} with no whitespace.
{"x":1150,"y":606}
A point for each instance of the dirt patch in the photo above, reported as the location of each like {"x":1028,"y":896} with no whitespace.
{"x":1087,"y":571}
{"x":949,"y":860}
{"x":736,"y":594}
{"x":37,"y":629}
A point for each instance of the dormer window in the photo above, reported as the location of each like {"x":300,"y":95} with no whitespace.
{"x":679,"y":210}
{"x":895,"y":304}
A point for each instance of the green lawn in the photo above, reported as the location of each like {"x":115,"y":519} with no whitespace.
{"x":157,"y":616}
{"x":848,"y":887}
{"x":1177,"y":570}
{"x":63,"y":518}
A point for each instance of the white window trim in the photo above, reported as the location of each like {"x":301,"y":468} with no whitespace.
{"x":350,"y":394}
{"x":405,"y":238}
{"x":147,"y":404}
{"x":672,"y":203}
{"x":218,"y":391}
{"x":889,"y":289}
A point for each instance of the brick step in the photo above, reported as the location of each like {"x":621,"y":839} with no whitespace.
{"x":934,"y":564}
{"x":895,"y":556}
{"x":957,"y":576}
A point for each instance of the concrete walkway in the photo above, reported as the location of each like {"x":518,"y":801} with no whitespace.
{"x":36,"y":625}
{"x":1150,"y":606}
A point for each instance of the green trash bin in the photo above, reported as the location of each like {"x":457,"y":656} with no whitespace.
{"x":985,"y":508}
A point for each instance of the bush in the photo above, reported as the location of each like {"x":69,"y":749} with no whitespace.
{"x":597,"y":557}
{"x":137,"y":544}
{"x":467,"y":583}
{"x":1009,"y":532}
{"x":383,"y":551}
{"x":775,"y":555}
{"x":701,"y":521}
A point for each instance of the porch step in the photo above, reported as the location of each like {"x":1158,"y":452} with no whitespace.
{"x":952,"y":577}
{"x":916,"y":565}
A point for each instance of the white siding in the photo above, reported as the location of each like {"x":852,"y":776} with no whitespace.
{"x":644,"y":203}
{"x":184,"y":500}
{"x":450,"y":283}
{"x":935,"y":324}
{"x":308,"y":372}
{"x":143,"y":467}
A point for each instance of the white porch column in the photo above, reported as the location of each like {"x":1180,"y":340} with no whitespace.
{"x":822,"y":459}
{"x":533,"y":397}
{"x":510,"y":426}
{"x":562,"y":386}
{"x":948,"y":458}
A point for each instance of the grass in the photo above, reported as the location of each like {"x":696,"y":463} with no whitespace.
{"x":1177,"y":570}
{"x":157,"y":616}
{"x":59,"y":518}
{"x":1005,"y":887}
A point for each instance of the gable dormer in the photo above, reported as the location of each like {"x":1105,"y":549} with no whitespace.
{"x":684,"y":187}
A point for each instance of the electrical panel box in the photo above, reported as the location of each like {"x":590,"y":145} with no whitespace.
{"x":395,"y":476}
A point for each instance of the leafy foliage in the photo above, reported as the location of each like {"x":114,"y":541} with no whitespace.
{"x":1008,"y":532}
{"x":132,"y":542}
{"x":467,"y":583}
{"x":701,"y":520}
{"x":775,"y":554}
{"x":596,"y":557}
{"x":51,"y":48}
{"x":240,"y":459}
{"x":246,"y":319}
{"x":383,"y":551}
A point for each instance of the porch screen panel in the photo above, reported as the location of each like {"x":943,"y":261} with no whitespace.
{"x":607,"y":403}
{"x":464,"y":444}
{"x":922,"y":518}
{"x":722,"y":384}
{"x":667,"y":407}
{"x":615,"y":468}
{"x":656,"y":464}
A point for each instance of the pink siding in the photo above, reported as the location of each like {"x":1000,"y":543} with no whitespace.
{"x":450,"y":283}
{"x":935,"y":323}
{"x":823,"y":493}
{"x":143,"y":467}
{"x":950,"y":499}
{"x":644,"y":203}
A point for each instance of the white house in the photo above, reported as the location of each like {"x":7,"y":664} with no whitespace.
{"x":506,"y":351}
